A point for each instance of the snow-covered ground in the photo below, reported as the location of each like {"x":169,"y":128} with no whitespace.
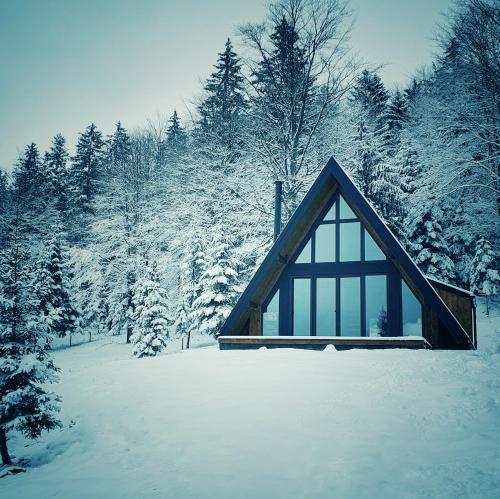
{"x":270,"y":424}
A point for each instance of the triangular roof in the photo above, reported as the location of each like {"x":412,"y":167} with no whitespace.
{"x":333,"y":176}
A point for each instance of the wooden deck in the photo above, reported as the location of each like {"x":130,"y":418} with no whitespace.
{"x":320,"y":342}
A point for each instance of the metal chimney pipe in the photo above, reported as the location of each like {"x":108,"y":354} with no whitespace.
{"x":278,"y":189}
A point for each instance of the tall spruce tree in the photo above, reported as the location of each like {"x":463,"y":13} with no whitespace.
{"x":192,"y":267}
{"x":151,"y":318}
{"x":25,"y":366}
{"x":57,"y":173}
{"x":396,"y":114}
{"x":485,"y":271}
{"x":368,"y":107}
{"x":119,"y":151}
{"x":5,"y":206}
{"x":219,"y":284}
{"x":87,"y":165}
{"x":429,"y":248}
{"x":222,"y":108}
{"x":283,"y":86}
{"x":176,"y":137}
{"x":29,"y":180}
{"x":53,"y":289}
{"x":376,"y":134}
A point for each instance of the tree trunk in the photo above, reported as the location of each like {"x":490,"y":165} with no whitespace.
{"x":188,"y":339}
{"x":3,"y":447}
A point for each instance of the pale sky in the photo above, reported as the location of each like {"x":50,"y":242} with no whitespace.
{"x":67,"y":63}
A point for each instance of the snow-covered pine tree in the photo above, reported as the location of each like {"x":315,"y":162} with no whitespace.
{"x":396,"y":114}
{"x":176,"y":138}
{"x":5,"y":206}
{"x":52,"y":289}
{"x":29,"y":181}
{"x":119,"y":150}
{"x":429,"y":248}
{"x":152,"y":320}
{"x":484,"y":271}
{"x":376,"y":126}
{"x":57,"y":173}
{"x":25,"y":365}
{"x":87,"y":168}
{"x":192,"y":268}
{"x":368,"y":109}
{"x":219,"y":284}
{"x":221,"y":111}
{"x":181,"y":321}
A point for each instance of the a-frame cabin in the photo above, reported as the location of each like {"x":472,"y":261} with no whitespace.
{"x":337,"y":275}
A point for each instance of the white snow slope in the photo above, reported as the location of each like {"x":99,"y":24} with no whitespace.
{"x":270,"y":424}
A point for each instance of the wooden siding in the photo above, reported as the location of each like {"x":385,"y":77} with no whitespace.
{"x":461,"y":306}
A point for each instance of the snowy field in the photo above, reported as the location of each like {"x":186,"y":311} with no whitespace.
{"x":270,"y":424}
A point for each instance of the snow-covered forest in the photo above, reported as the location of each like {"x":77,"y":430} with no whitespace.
{"x":153,"y":233}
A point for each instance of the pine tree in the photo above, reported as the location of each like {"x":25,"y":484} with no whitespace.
{"x":119,"y":150}
{"x":368,"y":107}
{"x":192,"y":266}
{"x":152,"y":320}
{"x":5,"y":206}
{"x":57,"y":173}
{"x":219,"y":284}
{"x":283,"y":107}
{"x":221,"y":110}
{"x":25,"y":365}
{"x":176,"y":137}
{"x":484,"y":271}
{"x":52,"y":290}
{"x":181,"y":323}
{"x":429,"y":249}
{"x":377,"y":125}
{"x":87,"y":167}
{"x":29,"y":180}
{"x":395,"y":117}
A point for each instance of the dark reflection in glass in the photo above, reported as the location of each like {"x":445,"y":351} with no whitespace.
{"x":350,"y":242}
{"x":305,"y":254}
{"x":412,"y":312}
{"x":372,"y":249}
{"x":376,"y":305}
{"x":350,"y":306}
{"x":301,"y":307}
{"x":270,"y":318}
{"x":325,"y":306}
{"x":345,"y":210}
{"x":325,"y":243}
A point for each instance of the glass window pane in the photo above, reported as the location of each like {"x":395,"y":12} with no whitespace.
{"x":325,"y":306}
{"x":270,"y":318}
{"x":302,"y":307}
{"x":331,"y":214}
{"x":325,"y":243}
{"x":376,"y":305}
{"x":345,"y":210}
{"x":350,"y":306}
{"x":372,"y":249}
{"x":305,"y":254}
{"x":412,"y":312}
{"x":350,"y":242}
